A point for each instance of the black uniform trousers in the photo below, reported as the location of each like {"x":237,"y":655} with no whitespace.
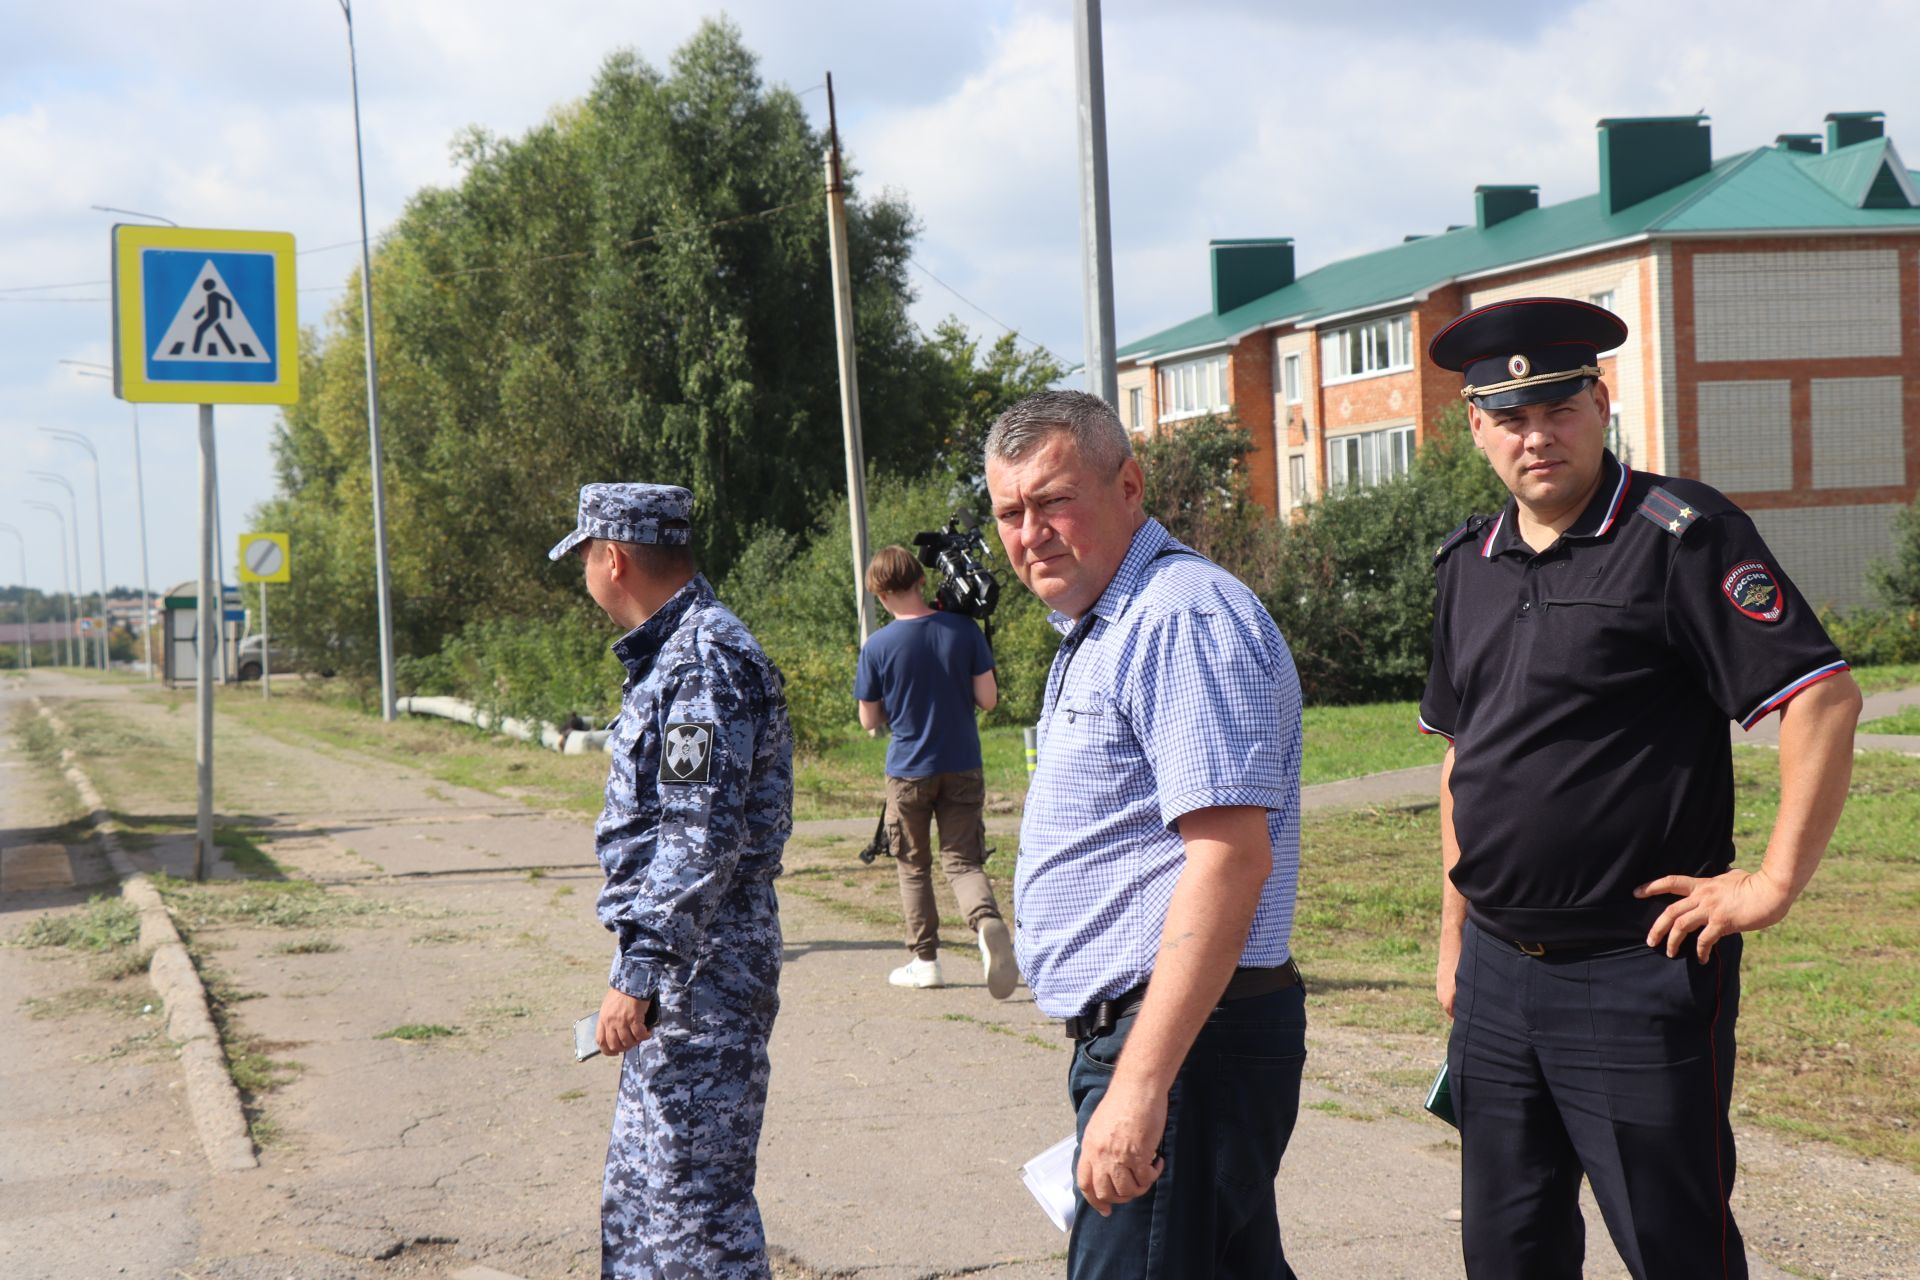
{"x":1614,"y":1062}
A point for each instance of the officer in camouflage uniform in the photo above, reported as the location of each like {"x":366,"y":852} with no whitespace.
{"x":699,"y":805}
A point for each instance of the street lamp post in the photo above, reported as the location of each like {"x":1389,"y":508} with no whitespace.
{"x":99,"y":526}
{"x":381,"y":583}
{"x":26,"y":622}
{"x":79,"y":583}
{"x":140,"y":511}
{"x":66,"y":582}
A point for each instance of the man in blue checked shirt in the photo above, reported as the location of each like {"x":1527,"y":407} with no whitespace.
{"x":1158,"y":858}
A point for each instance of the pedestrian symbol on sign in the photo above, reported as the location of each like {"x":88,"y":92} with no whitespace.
{"x":209,"y":326}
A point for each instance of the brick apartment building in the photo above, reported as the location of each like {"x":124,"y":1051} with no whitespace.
{"x":1773,"y":298}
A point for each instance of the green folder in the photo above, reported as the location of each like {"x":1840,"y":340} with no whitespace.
{"x":1440,"y":1097}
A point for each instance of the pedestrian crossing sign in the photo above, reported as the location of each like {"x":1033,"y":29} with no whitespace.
{"x":204,"y":317}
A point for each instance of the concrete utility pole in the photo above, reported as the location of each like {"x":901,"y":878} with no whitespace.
{"x":1096,"y":230}
{"x":381,"y":583}
{"x":26,"y":620}
{"x":99,"y":527}
{"x":849,"y":375}
{"x":66,"y":583}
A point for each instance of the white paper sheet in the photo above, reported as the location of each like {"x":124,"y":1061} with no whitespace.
{"x":1049,"y":1176}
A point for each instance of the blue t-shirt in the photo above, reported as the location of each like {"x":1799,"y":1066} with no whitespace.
{"x":921,"y":671}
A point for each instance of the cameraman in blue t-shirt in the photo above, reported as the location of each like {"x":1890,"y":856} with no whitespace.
{"x":924,"y":675}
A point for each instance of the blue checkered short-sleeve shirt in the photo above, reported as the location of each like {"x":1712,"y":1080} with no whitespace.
{"x":1174,"y":693}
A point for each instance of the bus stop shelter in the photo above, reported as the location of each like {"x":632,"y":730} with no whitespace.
{"x":180,"y":661}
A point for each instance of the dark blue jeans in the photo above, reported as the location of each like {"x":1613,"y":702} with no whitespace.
{"x":1231,"y":1110}
{"x":1617,"y":1064}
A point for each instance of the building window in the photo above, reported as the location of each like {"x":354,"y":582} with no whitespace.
{"x":1137,"y":408}
{"x":1362,"y":350}
{"x":1296,"y":480}
{"x":1603,"y":300}
{"x":1617,"y":441}
{"x":1193,"y":387}
{"x":1367,"y":458}
{"x":1290,"y":377}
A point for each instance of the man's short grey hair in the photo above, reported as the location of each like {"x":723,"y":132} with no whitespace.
{"x":1091,"y":421}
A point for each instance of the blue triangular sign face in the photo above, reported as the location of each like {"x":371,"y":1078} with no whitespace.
{"x":210,"y":327}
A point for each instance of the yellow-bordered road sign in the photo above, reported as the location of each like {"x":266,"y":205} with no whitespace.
{"x":263,"y":558}
{"x":204,"y":317}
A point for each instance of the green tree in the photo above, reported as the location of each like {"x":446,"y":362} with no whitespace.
{"x":636,"y":288}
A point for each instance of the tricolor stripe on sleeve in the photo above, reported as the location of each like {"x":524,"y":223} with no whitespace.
{"x":1421,"y":723}
{"x":1788,"y":693}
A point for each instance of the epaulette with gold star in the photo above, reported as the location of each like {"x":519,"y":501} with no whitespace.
{"x":1668,"y":511}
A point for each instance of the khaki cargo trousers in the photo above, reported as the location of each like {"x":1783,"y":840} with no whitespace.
{"x":957,"y":801}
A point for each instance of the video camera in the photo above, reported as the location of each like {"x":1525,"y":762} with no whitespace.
{"x":961,"y":554}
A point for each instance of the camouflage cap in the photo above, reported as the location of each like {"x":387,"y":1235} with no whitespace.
{"x":629,"y":513}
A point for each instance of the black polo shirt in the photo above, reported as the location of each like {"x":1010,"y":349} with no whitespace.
{"x":1587,"y":690}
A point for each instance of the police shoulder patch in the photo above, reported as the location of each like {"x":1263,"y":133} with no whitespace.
{"x":687,"y":752}
{"x":1752,"y":588}
{"x":1472,"y":526}
{"x":1670,"y":512}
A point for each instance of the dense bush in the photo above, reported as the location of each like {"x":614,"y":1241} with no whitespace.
{"x":1351,"y":581}
{"x":1875,"y":637}
{"x":1897,"y":580}
{"x":797,"y":598}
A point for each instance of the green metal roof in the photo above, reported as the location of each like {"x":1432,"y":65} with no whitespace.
{"x":1770,"y":189}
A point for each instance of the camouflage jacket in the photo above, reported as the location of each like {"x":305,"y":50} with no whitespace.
{"x":700,"y":793}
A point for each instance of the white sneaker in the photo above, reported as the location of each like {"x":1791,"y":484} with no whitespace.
{"x":923,"y":974}
{"x":996,"y":957}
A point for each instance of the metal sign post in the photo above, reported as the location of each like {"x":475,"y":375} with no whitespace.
{"x":263,"y":559}
{"x":204,"y":317}
{"x":206,"y":650}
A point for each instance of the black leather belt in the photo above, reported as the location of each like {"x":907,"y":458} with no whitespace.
{"x":1245,"y":983}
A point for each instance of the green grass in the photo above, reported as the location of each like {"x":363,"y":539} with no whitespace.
{"x":1830,"y":1016}
{"x":1347,"y":742}
{"x":250,"y":1062}
{"x":263,"y":904}
{"x":845,"y":779}
{"x":848,"y":778}
{"x":1880,"y":679}
{"x":318,"y":946}
{"x":418,"y":1031}
{"x":105,"y":924}
{"x":1906,"y":721}
{"x":446,"y":751}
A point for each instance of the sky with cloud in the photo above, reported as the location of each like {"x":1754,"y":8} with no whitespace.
{"x":1343,"y":126}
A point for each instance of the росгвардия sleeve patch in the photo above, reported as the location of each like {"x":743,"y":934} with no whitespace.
{"x":687,"y":752}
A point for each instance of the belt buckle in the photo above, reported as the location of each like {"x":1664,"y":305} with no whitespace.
{"x":1534,"y":949}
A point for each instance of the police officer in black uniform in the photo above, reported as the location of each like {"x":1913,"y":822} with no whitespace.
{"x":1591,"y":643}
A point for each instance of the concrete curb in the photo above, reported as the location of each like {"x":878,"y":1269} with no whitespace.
{"x":211,"y":1095}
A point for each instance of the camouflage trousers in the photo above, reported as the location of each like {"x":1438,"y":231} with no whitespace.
{"x":678,"y":1200}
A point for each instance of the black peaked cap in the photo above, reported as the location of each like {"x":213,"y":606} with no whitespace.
{"x":1527,"y":350}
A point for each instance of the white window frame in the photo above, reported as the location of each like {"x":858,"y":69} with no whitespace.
{"x":1297,"y":481}
{"x":1136,"y":408}
{"x":1193,"y":388}
{"x":1292,"y":368}
{"x":1605,"y":299}
{"x":1363,"y":459}
{"x":1369,"y":349}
